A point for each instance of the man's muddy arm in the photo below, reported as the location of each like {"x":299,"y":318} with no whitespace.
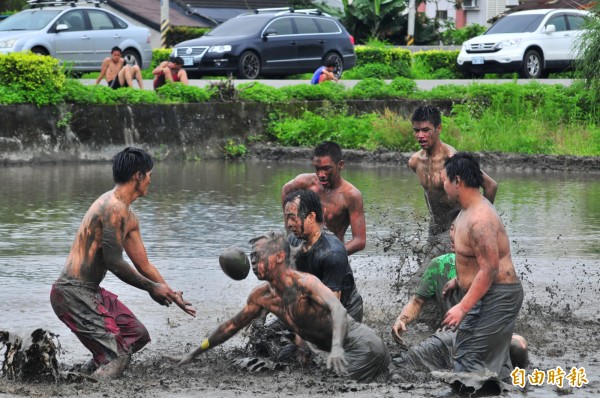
{"x":409,"y":313}
{"x":325,"y":297}
{"x":227,"y":329}
{"x":358,"y":225}
{"x":490,"y":187}
{"x":485,"y":247}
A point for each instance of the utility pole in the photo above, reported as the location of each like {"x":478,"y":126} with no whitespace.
{"x":410,"y":38}
{"x":164,"y":22}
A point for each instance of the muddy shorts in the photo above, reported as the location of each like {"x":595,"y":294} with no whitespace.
{"x":433,"y":353}
{"x":100,"y":321}
{"x":365,"y":351}
{"x":483,"y":337}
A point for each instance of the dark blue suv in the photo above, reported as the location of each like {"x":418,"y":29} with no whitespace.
{"x":274,"y":42}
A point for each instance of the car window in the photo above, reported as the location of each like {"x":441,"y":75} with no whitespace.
{"x":100,"y":20}
{"x":29,"y":20}
{"x":327,"y":25}
{"x":283,"y":26}
{"x":240,"y":26}
{"x":560,"y":22}
{"x":576,"y":22}
{"x":73,"y":19}
{"x":516,"y":24}
{"x":306,"y":25}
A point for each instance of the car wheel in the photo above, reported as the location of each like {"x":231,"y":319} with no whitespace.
{"x":533,"y":65}
{"x":249,"y":65}
{"x":132,"y":58}
{"x":337,"y":60}
{"x":39,"y":51}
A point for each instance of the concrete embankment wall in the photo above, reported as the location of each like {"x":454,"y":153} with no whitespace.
{"x":182,"y":131}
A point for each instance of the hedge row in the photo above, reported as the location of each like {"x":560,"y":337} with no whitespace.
{"x":383,"y":63}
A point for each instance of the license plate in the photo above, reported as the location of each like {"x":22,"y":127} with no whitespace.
{"x":477,"y":60}
{"x":188,"y":61}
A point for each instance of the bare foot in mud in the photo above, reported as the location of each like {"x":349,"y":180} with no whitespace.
{"x":113,"y":369}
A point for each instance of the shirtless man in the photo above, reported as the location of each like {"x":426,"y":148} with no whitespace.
{"x":118,"y":74}
{"x":170,"y":71}
{"x":342,"y":202}
{"x":308,"y":308}
{"x":428,"y":164}
{"x":100,"y":321}
{"x":492,"y":293}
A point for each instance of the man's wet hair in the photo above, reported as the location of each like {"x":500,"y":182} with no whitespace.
{"x":465,"y":166}
{"x":128,"y":162}
{"x":329,"y":62}
{"x":329,"y":148}
{"x":116,"y":48}
{"x":309,"y":202}
{"x":177,"y":60}
{"x":427,"y":113}
{"x":275,"y":241}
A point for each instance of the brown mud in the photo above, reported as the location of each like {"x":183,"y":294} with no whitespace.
{"x":557,"y":333}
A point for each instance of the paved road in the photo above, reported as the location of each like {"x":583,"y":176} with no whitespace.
{"x":421,"y":84}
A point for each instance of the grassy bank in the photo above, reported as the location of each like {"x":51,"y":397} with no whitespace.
{"x":531,"y":118}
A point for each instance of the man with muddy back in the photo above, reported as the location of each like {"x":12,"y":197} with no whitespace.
{"x":428,"y":164}
{"x":308,"y":308}
{"x":100,"y":321}
{"x":319,"y":251}
{"x":342,"y":202}
{"x":492,"y":294}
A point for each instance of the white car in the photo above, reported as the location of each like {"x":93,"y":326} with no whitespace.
{"x":78,"y":36}
{"x":532,"y":43}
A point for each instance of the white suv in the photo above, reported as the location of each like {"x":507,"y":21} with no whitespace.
{"x":532,"y":43}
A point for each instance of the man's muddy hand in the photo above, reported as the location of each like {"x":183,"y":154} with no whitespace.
{"x":186,"y":306}
{"x":162,"y":294}
{"x":336,"y":360}
{"x":184,"y":360}
{"x":454,"y":317}
{"x":399,"y":328}
{"x":451,"y":285}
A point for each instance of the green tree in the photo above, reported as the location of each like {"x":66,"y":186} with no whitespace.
{"x":589,"y":46}
{"x":12,"y":5}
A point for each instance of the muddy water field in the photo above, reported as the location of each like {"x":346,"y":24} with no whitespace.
{"x":559,"y":319}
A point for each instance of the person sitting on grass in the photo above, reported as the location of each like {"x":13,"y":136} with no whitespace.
{"x":324,"y":73}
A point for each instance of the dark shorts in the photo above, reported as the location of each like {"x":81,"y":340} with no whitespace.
{"x":114,"y":84}
{"x":100,"y":321}
{"x":365,"y":351}
{"x":483,"y":337}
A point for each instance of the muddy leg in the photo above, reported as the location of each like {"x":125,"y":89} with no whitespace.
{"x":114,"y":368}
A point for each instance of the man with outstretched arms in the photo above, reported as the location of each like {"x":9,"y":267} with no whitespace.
{"x":306,"y":307}
{"x":100,"y":321}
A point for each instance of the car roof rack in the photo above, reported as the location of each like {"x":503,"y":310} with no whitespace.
{"x":289,"y":10}
{"x":72,"y":3}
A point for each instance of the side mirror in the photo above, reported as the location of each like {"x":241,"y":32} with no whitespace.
{"x":269,"y":32}
{"x":550,"y":29}
{"x":61,"y":26}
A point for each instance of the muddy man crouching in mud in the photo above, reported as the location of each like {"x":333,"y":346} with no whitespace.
{"x":342,"y":202}
{"x":308,"y":308}
{"x":100,"y":321}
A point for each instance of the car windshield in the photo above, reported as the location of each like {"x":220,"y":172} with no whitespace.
{"x":28,"y":20}
{"x":240,"y":26}
{"x":516,"y":24}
